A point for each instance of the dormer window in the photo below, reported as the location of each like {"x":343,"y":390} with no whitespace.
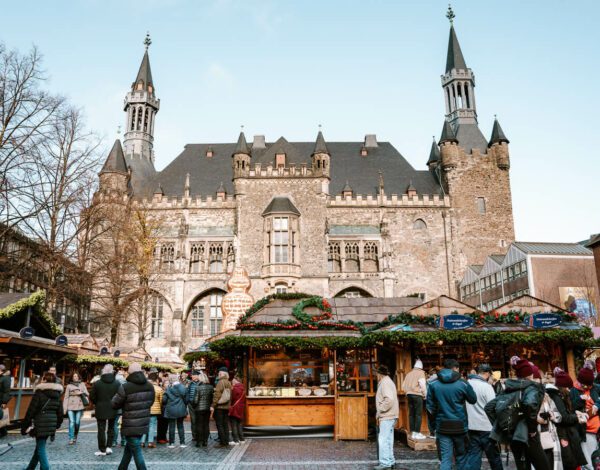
{"x":209,"y":152}
{"x":280,"y":160}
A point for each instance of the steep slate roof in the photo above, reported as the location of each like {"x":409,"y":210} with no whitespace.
{"x":497,"y":258}
{"x":539,"y":248}
{"x":455,"y":59}
{"x":497,"y":134}
{"x":320,"y":146}
{"x":346,"y":164}
{"x":115,"y":162}
{"x":144,"y":73}
{"x":470,"y":137}
{"x":242,"y":145}
{"x":281,"y":205}
{"x":448,"y":134}
{"x":434,"y":153}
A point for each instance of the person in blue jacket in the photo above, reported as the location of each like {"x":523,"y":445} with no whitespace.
{"x":446,"y":403}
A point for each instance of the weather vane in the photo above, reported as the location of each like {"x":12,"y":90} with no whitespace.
{"x":118,"y":130}
{"x":450,"y":14}
{"x":147,"y":41}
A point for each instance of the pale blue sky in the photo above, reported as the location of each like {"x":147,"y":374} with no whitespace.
{"x":356,"y":67}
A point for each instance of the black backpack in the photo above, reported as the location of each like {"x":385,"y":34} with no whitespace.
{"x":509,"y":411}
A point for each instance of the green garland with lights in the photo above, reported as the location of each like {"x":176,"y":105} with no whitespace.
{"x":36,"y":301}
{"x":91,"y":359}
{"x":197,"y":355}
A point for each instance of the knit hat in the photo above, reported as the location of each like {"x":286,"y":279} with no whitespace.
{"x":195,"y":372}
{"x":2,"y":367}
{"x":108,"y":369}
{"x":562,"y":379}
{"x":383,"y":370}
{"x":418,"y":364}
{"x":134,"y":367}
{"x":586,"y":376}
{"x":222,"y":369}
{"x":536,"y":371}
{"x":523,"y":368}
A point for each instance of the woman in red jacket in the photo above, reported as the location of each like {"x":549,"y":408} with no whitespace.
{"x":236,"y":410}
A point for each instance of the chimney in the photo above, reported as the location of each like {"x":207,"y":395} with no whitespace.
{"x":370,"y":141}
{"x":259,"y":142}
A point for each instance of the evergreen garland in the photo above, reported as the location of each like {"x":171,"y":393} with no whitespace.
{"x":36,"y":301}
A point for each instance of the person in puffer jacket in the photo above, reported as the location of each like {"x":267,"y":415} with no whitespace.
{"x":175,"y":409}
{"x":446,"y":403}
{"x":45,"y":414}
{"x":201,"y":402}
{"x":135,"y":397}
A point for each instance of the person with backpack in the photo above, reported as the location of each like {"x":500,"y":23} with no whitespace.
{"x":43,"y":417}
{"x":514,"y":414}
{"x":479,"y":424}
{"x":175,"y":410}
{"x":446,"y":403}
{"x":585,"y":398}
{"x":220,"y":407}
{"x":567,"y":428}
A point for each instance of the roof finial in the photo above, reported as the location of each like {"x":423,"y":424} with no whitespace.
{"x":118,"y":131}
{"x":450,"y":14}
{"x":320,"y":127}
{"x":147,"y":41}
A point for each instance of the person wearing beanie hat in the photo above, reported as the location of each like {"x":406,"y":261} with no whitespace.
{"x":567,"y":428}
{"x":523,"y":436}
{"x":414,"y":386}
{"x":586,"y":400}
{"x":135,"y":397}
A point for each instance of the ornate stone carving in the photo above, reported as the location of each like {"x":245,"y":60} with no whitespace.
{"x":237,"y":300}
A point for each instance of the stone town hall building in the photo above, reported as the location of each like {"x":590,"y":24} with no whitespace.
{"x":350,"y":218}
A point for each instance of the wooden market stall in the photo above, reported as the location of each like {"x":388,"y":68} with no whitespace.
{"x":447,"y":328}
{"x":305,"y":365}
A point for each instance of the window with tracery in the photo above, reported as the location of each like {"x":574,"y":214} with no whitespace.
{"x":197,"y":258}
{"x":334,"y":259}
{"x":215,"y":258}
{"x":230,"y":257}
{"x":167,"y":257}
{"x":156,"y":312}
{"x":352,"y":259}
{"x":371,"y":259}
{"x":216,"y":315}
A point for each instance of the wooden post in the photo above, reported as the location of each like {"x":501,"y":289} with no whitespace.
{"x":571,"y":362}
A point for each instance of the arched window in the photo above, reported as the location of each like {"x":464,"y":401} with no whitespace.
{"x":157,"y":303}
{"x":215,"y":258}
{"x":197,"y":258}
{"x":146,"y":120}
{"x":205,"y":315}
{"x":167,"y":257}
{"x":351,"y":292}
{"x":334,"y":259}
{"x":230,"y":257}
{"x":371,"y":258}
{"x":419,"y":224}
{"x":352,"y":261}
{"x":138,"y":124}
{"x":133,"y":110}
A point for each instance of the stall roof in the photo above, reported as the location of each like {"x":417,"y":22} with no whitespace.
{"x":528,"y":304}
{"x":443,"y":305}
{"x":504,"y":327}
{"x":287,"y":334}
{"x":13,"y":313}
{"x":368,"y":310}
{"x":7,"y":336}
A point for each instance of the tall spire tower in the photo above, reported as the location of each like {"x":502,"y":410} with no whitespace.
{"x":141,"y":106}
{"x":458,"y":82}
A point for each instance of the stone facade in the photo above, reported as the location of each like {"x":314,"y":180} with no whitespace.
{"x":282,"y":215}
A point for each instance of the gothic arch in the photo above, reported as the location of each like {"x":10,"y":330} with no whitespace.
{"x":201,"y":295}
{"x":364,"y":292}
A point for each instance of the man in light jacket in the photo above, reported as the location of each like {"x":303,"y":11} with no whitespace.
{"x":479,"y":423}
{"x":415,"y":387}
{"x":386,"y":402}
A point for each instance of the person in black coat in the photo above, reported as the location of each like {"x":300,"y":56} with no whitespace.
{"x":101,"y":396}
{"x":44,"y":416}
{"x":568,"y":426}
{"x":4,"y":394}
{"x":135,"y":397}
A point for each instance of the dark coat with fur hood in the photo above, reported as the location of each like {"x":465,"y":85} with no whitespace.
{"x":45,"y":411}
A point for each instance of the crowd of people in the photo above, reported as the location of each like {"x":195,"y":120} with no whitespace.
{"x":150,"y":406}
{"x":548,"y":422}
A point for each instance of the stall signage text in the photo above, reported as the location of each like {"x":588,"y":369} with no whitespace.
{"x":454,"y":322}
{"x":543,"y":320}
{"x":61,"y":340}
{"x":27,"y":332}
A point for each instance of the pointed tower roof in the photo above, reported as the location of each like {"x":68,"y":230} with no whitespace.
{"x":455,"y":59}
{"x":448,"y":134}
{"x":144,"y":74}
{"x":115,"y":162}
{"x":497,"y":134}
{"x":242,"y":146}
{"x":434,"y":153}
{"x":320,"y":146}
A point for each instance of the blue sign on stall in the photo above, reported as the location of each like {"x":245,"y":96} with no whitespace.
{"x":117,"y":353}
{"x":543,"y":320}
{"x":26,"y":332}
{"x":103,"y":350}
{"x":454,"y":322}
{"x":61,"y":340}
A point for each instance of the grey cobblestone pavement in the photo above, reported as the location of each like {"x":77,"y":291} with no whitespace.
{"x":263,"y":454}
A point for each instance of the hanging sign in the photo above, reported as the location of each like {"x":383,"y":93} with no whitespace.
{"x":117,"y":353}
{"x":543,"y":320}
{"x":454,"y":322}
{"x":103,"y":350}
{"x":26,"y":332}
{"x":61,"y":340}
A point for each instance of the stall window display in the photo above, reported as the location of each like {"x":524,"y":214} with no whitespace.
{"x":289,"y":373}
{"x":355,"y":370}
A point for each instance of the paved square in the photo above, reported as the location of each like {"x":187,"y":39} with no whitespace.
{"x":263,"y":454}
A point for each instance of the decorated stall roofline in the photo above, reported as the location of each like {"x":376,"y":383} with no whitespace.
{"x":192,"y":356}
{"x":423,"y":337}
{"x":85,"y":359}
{"x":35,"y":300}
